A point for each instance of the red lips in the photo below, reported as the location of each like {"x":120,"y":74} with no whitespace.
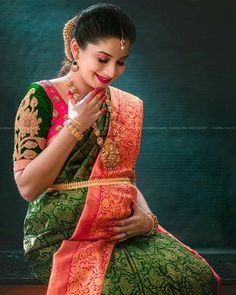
{"x":103,"y":79}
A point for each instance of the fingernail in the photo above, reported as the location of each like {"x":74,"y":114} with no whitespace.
{"x":103,"y":98}
{"x":98,"y":90}
{"x":103,"y":111}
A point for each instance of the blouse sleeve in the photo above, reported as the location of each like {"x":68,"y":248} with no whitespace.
{"x":32,"y":122}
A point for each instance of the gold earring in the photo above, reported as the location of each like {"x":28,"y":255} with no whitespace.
{"x":122,"y":43}
{"x":74,"y":66}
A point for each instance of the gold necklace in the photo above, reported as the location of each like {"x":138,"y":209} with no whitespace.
{"x":72,"y":91}
{"x":110,"y":155}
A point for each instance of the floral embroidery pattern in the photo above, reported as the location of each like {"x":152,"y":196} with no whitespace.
{"x":27,"y":127}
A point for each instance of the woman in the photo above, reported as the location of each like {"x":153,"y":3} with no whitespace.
{"x":76,"y":144}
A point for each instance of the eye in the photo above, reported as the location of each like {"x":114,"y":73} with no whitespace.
{"x":102,"y":60}
{"x":121,"y":63}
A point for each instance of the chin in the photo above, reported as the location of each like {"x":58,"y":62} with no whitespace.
{"x":100,"y":85}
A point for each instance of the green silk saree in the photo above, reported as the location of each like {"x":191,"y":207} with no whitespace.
{"x":142,"y":265}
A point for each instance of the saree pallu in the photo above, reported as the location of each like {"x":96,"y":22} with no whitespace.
{"x":73,"y":224}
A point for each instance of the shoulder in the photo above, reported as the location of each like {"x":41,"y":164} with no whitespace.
{"x":37,"y":88}
{"x":121,"y":93}
{"x":35,"y":98}
{"x":35,"y":91}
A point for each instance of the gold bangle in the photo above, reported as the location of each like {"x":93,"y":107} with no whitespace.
{"x":76,"y":122}
{"x":73,"y":131}
{"x":154,"y":226}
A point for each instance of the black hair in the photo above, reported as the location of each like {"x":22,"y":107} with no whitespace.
{"x":98,"y":22}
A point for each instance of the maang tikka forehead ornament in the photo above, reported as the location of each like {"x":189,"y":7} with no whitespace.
{"x":122,"y":40}
{"x":122,"y":43}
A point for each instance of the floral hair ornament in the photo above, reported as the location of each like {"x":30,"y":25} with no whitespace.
{"x":67,"y":36}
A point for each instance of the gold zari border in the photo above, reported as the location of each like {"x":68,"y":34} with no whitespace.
{"x":87,"y":183}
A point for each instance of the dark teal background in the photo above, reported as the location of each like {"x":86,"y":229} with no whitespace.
{"x":183,"y":66}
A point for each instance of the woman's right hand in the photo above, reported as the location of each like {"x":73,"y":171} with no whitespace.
{"x":87,"y":110}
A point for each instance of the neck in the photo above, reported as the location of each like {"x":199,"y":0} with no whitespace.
{"x":79,"y":84}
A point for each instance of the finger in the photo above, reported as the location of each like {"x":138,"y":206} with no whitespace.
{"x":127,"y":237}
{"x":122,"y":222}
{"x":99,"y":97}
{"x":98,"y":114}
{"x":97,"y":107}
{"x":122,"y":240}
{"x":135,"y":205}
{"x":89,"y":97}
{"x":118,"y":237}
{"x":136,"y":208}
{"x":118,"y":229}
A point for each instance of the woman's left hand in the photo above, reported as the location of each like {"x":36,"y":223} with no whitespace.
{"x":137,"y":224}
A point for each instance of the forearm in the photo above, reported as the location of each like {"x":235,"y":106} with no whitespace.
{"x":142,"y":202}
{"x":42,"y":171}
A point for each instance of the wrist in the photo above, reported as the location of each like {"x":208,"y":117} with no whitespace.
{"x":154,"y":225}
{"x":75,"y":132}
{"x":76,"y":124}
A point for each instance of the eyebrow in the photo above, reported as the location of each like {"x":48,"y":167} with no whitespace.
{"x":107,"y":54}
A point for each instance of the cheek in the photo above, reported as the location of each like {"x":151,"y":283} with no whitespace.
{"x":121,"y":70}
{"x":89,"y":65}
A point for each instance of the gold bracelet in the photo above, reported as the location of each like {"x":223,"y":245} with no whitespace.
{"x":154,"y":226}
{"x":76,"y":122}
{"x":73,"y":131}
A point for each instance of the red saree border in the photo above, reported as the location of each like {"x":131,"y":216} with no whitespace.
{"x":124,"y":103}
{"x":62,"y":261}
{"x":69,"y":258}
{"x":88,"y":247}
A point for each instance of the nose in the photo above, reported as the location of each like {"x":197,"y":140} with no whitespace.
{"x":110,"y":71}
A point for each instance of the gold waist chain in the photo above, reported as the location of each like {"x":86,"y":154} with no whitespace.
{"x":87,"y":183}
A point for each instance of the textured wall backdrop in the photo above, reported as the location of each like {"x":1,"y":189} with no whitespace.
{"x":184,"y":68}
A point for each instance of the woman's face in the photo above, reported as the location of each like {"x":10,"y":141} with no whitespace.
{"x":102,"y":63}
